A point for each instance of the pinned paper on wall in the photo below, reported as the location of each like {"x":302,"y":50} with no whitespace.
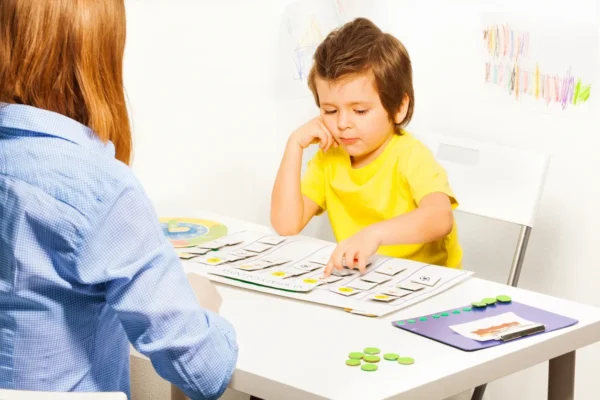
{"x":305,"y":24}
{"x":547,"y":65}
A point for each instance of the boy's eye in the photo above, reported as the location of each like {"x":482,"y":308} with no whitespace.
{"x":361,"y":111}
{"x":330,"y":111}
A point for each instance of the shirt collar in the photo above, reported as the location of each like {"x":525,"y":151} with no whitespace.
{"x":19,"y":117}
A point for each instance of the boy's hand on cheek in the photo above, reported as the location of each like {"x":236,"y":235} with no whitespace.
{"x":354,"y":252}
{"x":314,"y":131}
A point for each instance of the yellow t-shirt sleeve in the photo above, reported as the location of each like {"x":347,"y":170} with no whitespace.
{"x":425,"y":175}
{"x":313,"y":181}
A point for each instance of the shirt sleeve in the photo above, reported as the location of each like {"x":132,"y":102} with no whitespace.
{"x":313,"y":181}
{"x":425,"y":175}
{"x":146,"y":286}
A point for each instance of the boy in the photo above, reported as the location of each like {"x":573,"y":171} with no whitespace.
{"x":383,"y":189}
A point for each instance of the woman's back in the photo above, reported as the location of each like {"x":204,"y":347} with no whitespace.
{"x":54,"y":186}
{"x":81,"y":270}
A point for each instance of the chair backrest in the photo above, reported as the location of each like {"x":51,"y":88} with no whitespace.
{"x":490,"y":180}
{"x":34,"y":395}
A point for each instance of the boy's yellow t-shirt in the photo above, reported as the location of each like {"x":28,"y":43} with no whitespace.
{"x":391,"y":185}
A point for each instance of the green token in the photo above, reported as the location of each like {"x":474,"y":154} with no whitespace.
{"x":456,"y":312}
{"x":372,"y":350}
{"x":411,"y":321}
{"x":467,"y":309}
{"x":406,"y":361}
{"x":371,"y":359}
{"x":444,"y":314}
{"x":504,"y":299}
{"x":478,"y":304}
{"x":436,"y":316}
{"x":489,"y":301}
{"x":356,"y":355}
{"x":423,"y":319}
{"x":369,"y":367}
{"x":391,"y":356}
{"x":352,"y":362}
{"x":400,"y":323}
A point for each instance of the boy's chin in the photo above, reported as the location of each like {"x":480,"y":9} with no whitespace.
{"x":355,"y":151}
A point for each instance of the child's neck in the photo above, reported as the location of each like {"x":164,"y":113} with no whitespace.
{"x":366,"y":159}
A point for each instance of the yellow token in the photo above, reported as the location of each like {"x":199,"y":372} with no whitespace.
{"x":213,"y":260}
{"x":381,"y":296}
{"x":310,"y":281}
{"x":346,"y":290}
{"x":278,"y":273}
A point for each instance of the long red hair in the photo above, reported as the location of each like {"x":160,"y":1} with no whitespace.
{"x":66,"y":56}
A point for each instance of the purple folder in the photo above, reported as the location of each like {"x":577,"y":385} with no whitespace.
{"x":438,"y":327}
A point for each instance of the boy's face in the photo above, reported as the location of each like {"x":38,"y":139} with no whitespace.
{"x":353,"y":113}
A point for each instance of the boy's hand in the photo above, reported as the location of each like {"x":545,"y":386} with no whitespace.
{"x":354,"y":252}
{"x":314,"y":131}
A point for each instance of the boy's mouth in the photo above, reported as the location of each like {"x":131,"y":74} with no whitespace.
{"x":348,"y":141}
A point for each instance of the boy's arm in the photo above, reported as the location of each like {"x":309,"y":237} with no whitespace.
{"x":290,"y":209}
{"x":431,"y":221}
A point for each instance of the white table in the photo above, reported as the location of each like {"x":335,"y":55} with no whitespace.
{"x":290,"y":349}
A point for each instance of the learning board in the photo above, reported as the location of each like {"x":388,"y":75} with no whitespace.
{"x":293,"y":267}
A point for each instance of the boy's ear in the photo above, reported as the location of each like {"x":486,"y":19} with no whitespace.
{"x":401,"y":114}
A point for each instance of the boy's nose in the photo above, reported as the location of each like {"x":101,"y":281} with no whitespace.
{"x":343,"y":121}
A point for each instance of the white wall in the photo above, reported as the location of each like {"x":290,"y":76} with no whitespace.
{"x":211,"y":117}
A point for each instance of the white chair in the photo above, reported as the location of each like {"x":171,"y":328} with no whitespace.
{"x":33,"y":395}
{"x":493,"y":181}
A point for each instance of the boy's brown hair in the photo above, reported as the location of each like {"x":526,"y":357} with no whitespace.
{"x":359,"y":46}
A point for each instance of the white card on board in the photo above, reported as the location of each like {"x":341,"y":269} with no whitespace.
{"x":376,"y":278}
{"x":232,"y":241}
{"x":330,"y":279}
{"x":361,"y":285}
{"x":323,"y":260}
{"x":242,"y":253}
{"x":257,"y":247}
{"x":213,"y":244}
{"x":308,"y":266}
{"x":345,"y":291}
{"x":394,"y":291}
{"x":382,"y":297}
{"x":426,"y":279}
{"x":272,"y":240}
{"x":254,"y":265}
{"x":390,"y":269}
{"x":197,"y":250}
{"x":210,"y":259}
{"x":276,"y":261}
{"x":342,"y":273}
{"x":413,"y":287}
{"x":187,"y":256}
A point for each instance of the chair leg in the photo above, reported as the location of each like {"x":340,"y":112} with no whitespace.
{"x":478,"y":392}
{"x":519,"y":257}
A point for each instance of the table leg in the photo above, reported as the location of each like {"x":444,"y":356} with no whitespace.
{"x":478,"y":392}
{"x":561,"y":377}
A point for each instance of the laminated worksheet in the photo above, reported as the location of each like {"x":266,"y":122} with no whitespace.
{"x":293,"y":267}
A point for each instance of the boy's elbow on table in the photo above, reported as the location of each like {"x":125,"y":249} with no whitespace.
{"x":285,"y":227}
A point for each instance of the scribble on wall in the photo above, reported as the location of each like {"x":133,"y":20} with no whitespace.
{"x":511,"y":66}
